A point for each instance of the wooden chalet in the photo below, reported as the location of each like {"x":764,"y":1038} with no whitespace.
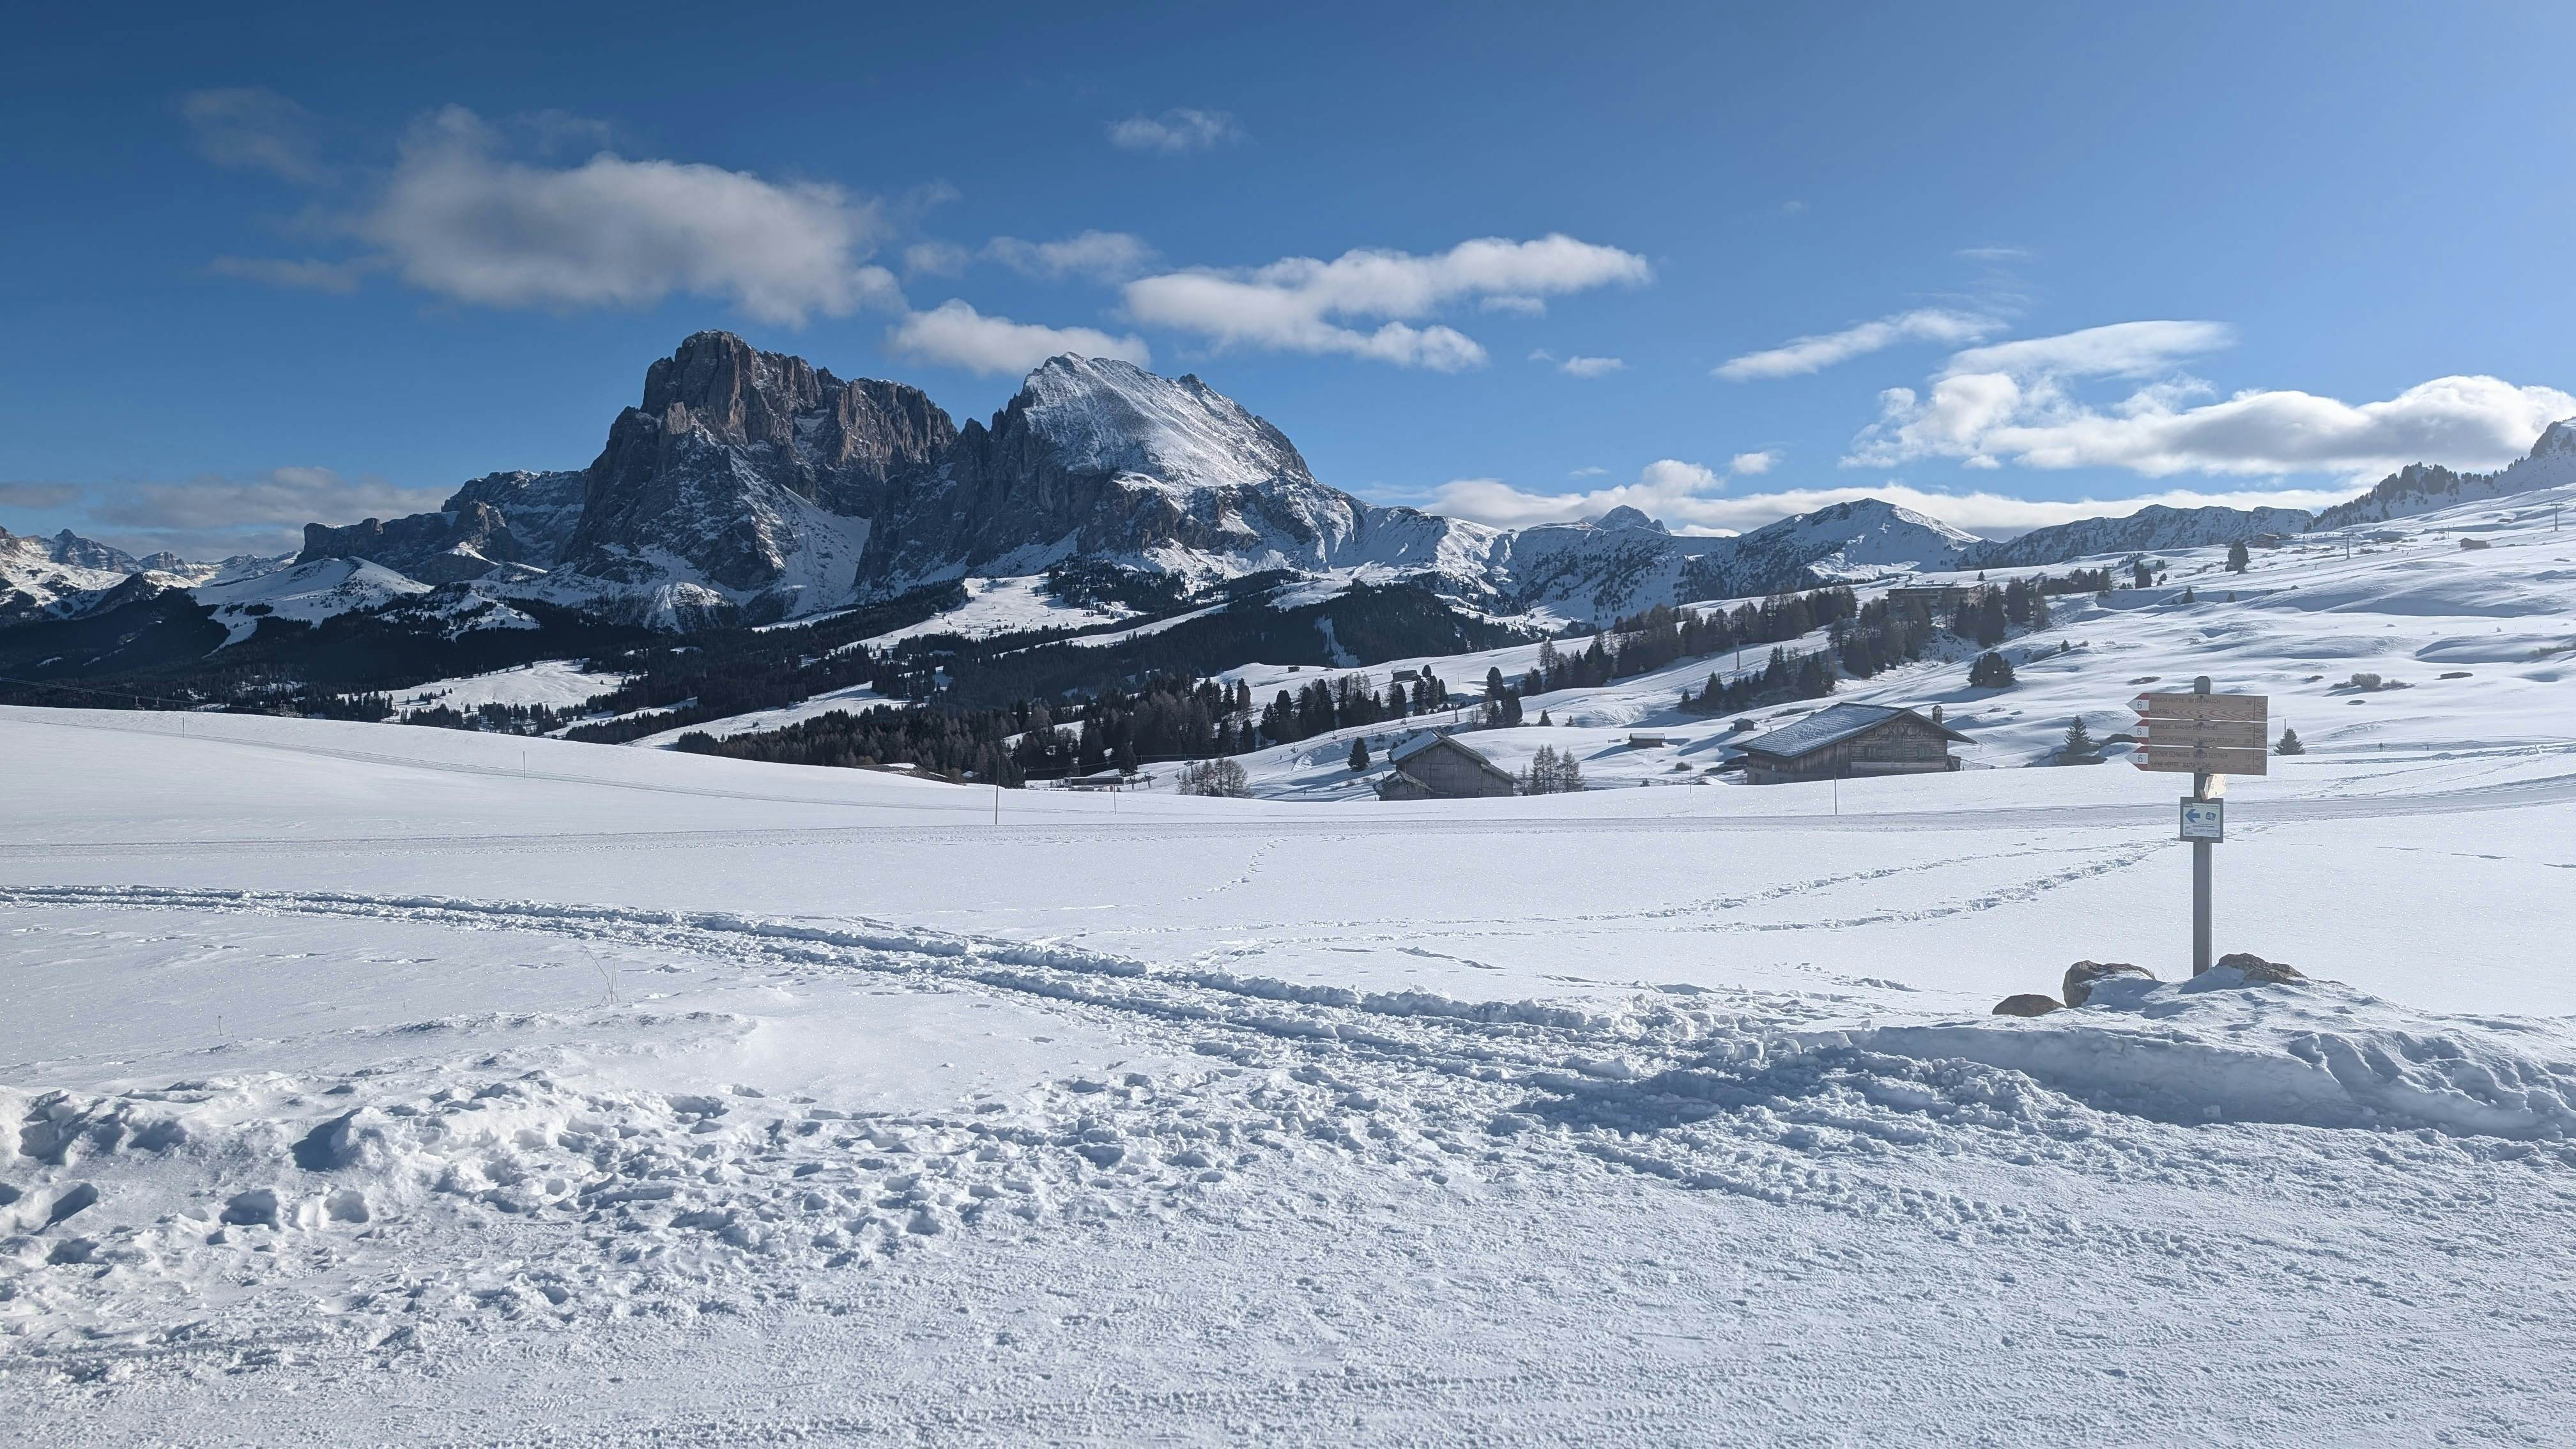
{"x":1443,"y":769}
{"x":1850,"y":741}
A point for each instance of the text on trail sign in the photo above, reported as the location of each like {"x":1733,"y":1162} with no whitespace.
{"x":2204,"y":819}
{"x":2202,"y":734}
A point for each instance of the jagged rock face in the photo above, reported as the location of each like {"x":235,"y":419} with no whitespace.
{"x":2155,"y":527}
{"x":541,"y":509}
{"x":1100,"y":458}
{"x":68,"y":547}
{"x":751,"y":472}
{"x":435,"y":548}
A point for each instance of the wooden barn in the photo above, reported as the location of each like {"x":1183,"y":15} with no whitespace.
{"x":1850,"y":742}
{"x":1443,"y":769}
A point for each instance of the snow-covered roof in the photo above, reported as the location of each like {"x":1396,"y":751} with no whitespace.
{"x":1831,"y":725}
{"x":1406,"y":753}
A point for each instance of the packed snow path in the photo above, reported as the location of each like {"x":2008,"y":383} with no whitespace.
{"x":1226,"y":1125}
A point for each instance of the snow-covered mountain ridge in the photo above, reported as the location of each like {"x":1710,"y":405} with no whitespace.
{"x":751,"y":487}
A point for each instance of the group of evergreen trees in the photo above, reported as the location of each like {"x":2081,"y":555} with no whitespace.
{"x":1806,"y":677}
{"x":1552,"y":772}
{"x":957,"y":745}
{"x":1348,"y":702}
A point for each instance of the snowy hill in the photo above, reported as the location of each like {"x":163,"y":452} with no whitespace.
{"x":2424,"y":487}
{"x":2154,"y":528}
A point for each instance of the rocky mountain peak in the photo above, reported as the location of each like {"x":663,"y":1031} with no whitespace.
{"x":2558,"y":438}
{"x":1625,"y":516}
{"x":720,"y":383}
{"x":1098,"y":415}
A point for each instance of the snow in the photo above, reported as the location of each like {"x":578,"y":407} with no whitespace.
{"x":1003,"y":606}
{"x":1100,"y":415}
{"x":305,"y":592}
{"x":477,"y":1087}
{"x":547,"y":684}
{"x":853,"y":699}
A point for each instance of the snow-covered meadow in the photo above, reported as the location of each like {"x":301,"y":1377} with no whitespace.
{"x":522,"y":1090}
{"x":362,"y":1082}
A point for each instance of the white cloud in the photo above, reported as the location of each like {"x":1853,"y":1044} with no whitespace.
{"x":2013,"y":403}
{"x":1802,"y":355}
{"x":1992,"y":254}
{"x":1516,"y":306}
{"x":1175,"y":131}
{"x":1591,"y":366}
{"x":1102,"y":256}
{"x":936,"y":259}
{"x":463,"y":221}
{"x":1689,"y":498}
{"x":17,"y":494}
{"x":2122,"y":349}
{"x":216,"y":514}
{"x":1299,"y":304}
{"x":1679,"y":493}
{"x":310,"y":274}
{"x":253,"y":129}
{"x":956,"y":334}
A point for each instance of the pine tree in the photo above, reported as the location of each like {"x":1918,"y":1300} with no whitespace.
{"x":1543,"y":719}
{"x":2238,"y":560}
{"x":2289,"y":743}
{"x":1359,"y":755}
{"x":2079,"y":740}
{"x":1991,"y":671}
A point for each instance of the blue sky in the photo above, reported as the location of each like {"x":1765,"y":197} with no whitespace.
{"x":1521,"y":263}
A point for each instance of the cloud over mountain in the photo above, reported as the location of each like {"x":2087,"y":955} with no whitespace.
{"x":1303,"y":304}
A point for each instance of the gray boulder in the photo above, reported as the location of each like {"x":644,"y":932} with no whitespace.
{"x":2082,"y":976}
{"x":2027,"y":1003}
{"x":2259,"y":972}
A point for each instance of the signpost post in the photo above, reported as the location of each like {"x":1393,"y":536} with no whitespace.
{"x":2209,"y":737}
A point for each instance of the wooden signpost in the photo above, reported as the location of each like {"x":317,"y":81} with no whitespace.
{"x":2209,"y":737}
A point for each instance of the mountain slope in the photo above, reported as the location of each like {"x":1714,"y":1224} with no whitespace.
{"x":2424,"y":487}
{"x":2155,"y":527}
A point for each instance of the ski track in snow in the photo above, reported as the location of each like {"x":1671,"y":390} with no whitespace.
{"x":582,"y":1203}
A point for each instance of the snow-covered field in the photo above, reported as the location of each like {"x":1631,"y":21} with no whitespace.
{"x":2475,"y":648}
{"x":548,"y":684}
{"x":397,"y":1085}
{"x":411,"y":1085}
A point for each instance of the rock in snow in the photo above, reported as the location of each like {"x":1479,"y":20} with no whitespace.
{"x":2082,"y":976}
{"x":2026,"y":1003}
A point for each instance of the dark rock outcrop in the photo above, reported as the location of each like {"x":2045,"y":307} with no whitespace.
{"x":435,"y":548}
{"x":756,"y":471}
{"x":541,"y":509}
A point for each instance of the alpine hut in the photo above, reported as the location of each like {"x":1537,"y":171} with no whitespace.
{"x":1440,"y":768}
{"x":1850,"y":741}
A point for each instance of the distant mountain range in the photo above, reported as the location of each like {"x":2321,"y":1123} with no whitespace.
{"x":751,"y":487}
